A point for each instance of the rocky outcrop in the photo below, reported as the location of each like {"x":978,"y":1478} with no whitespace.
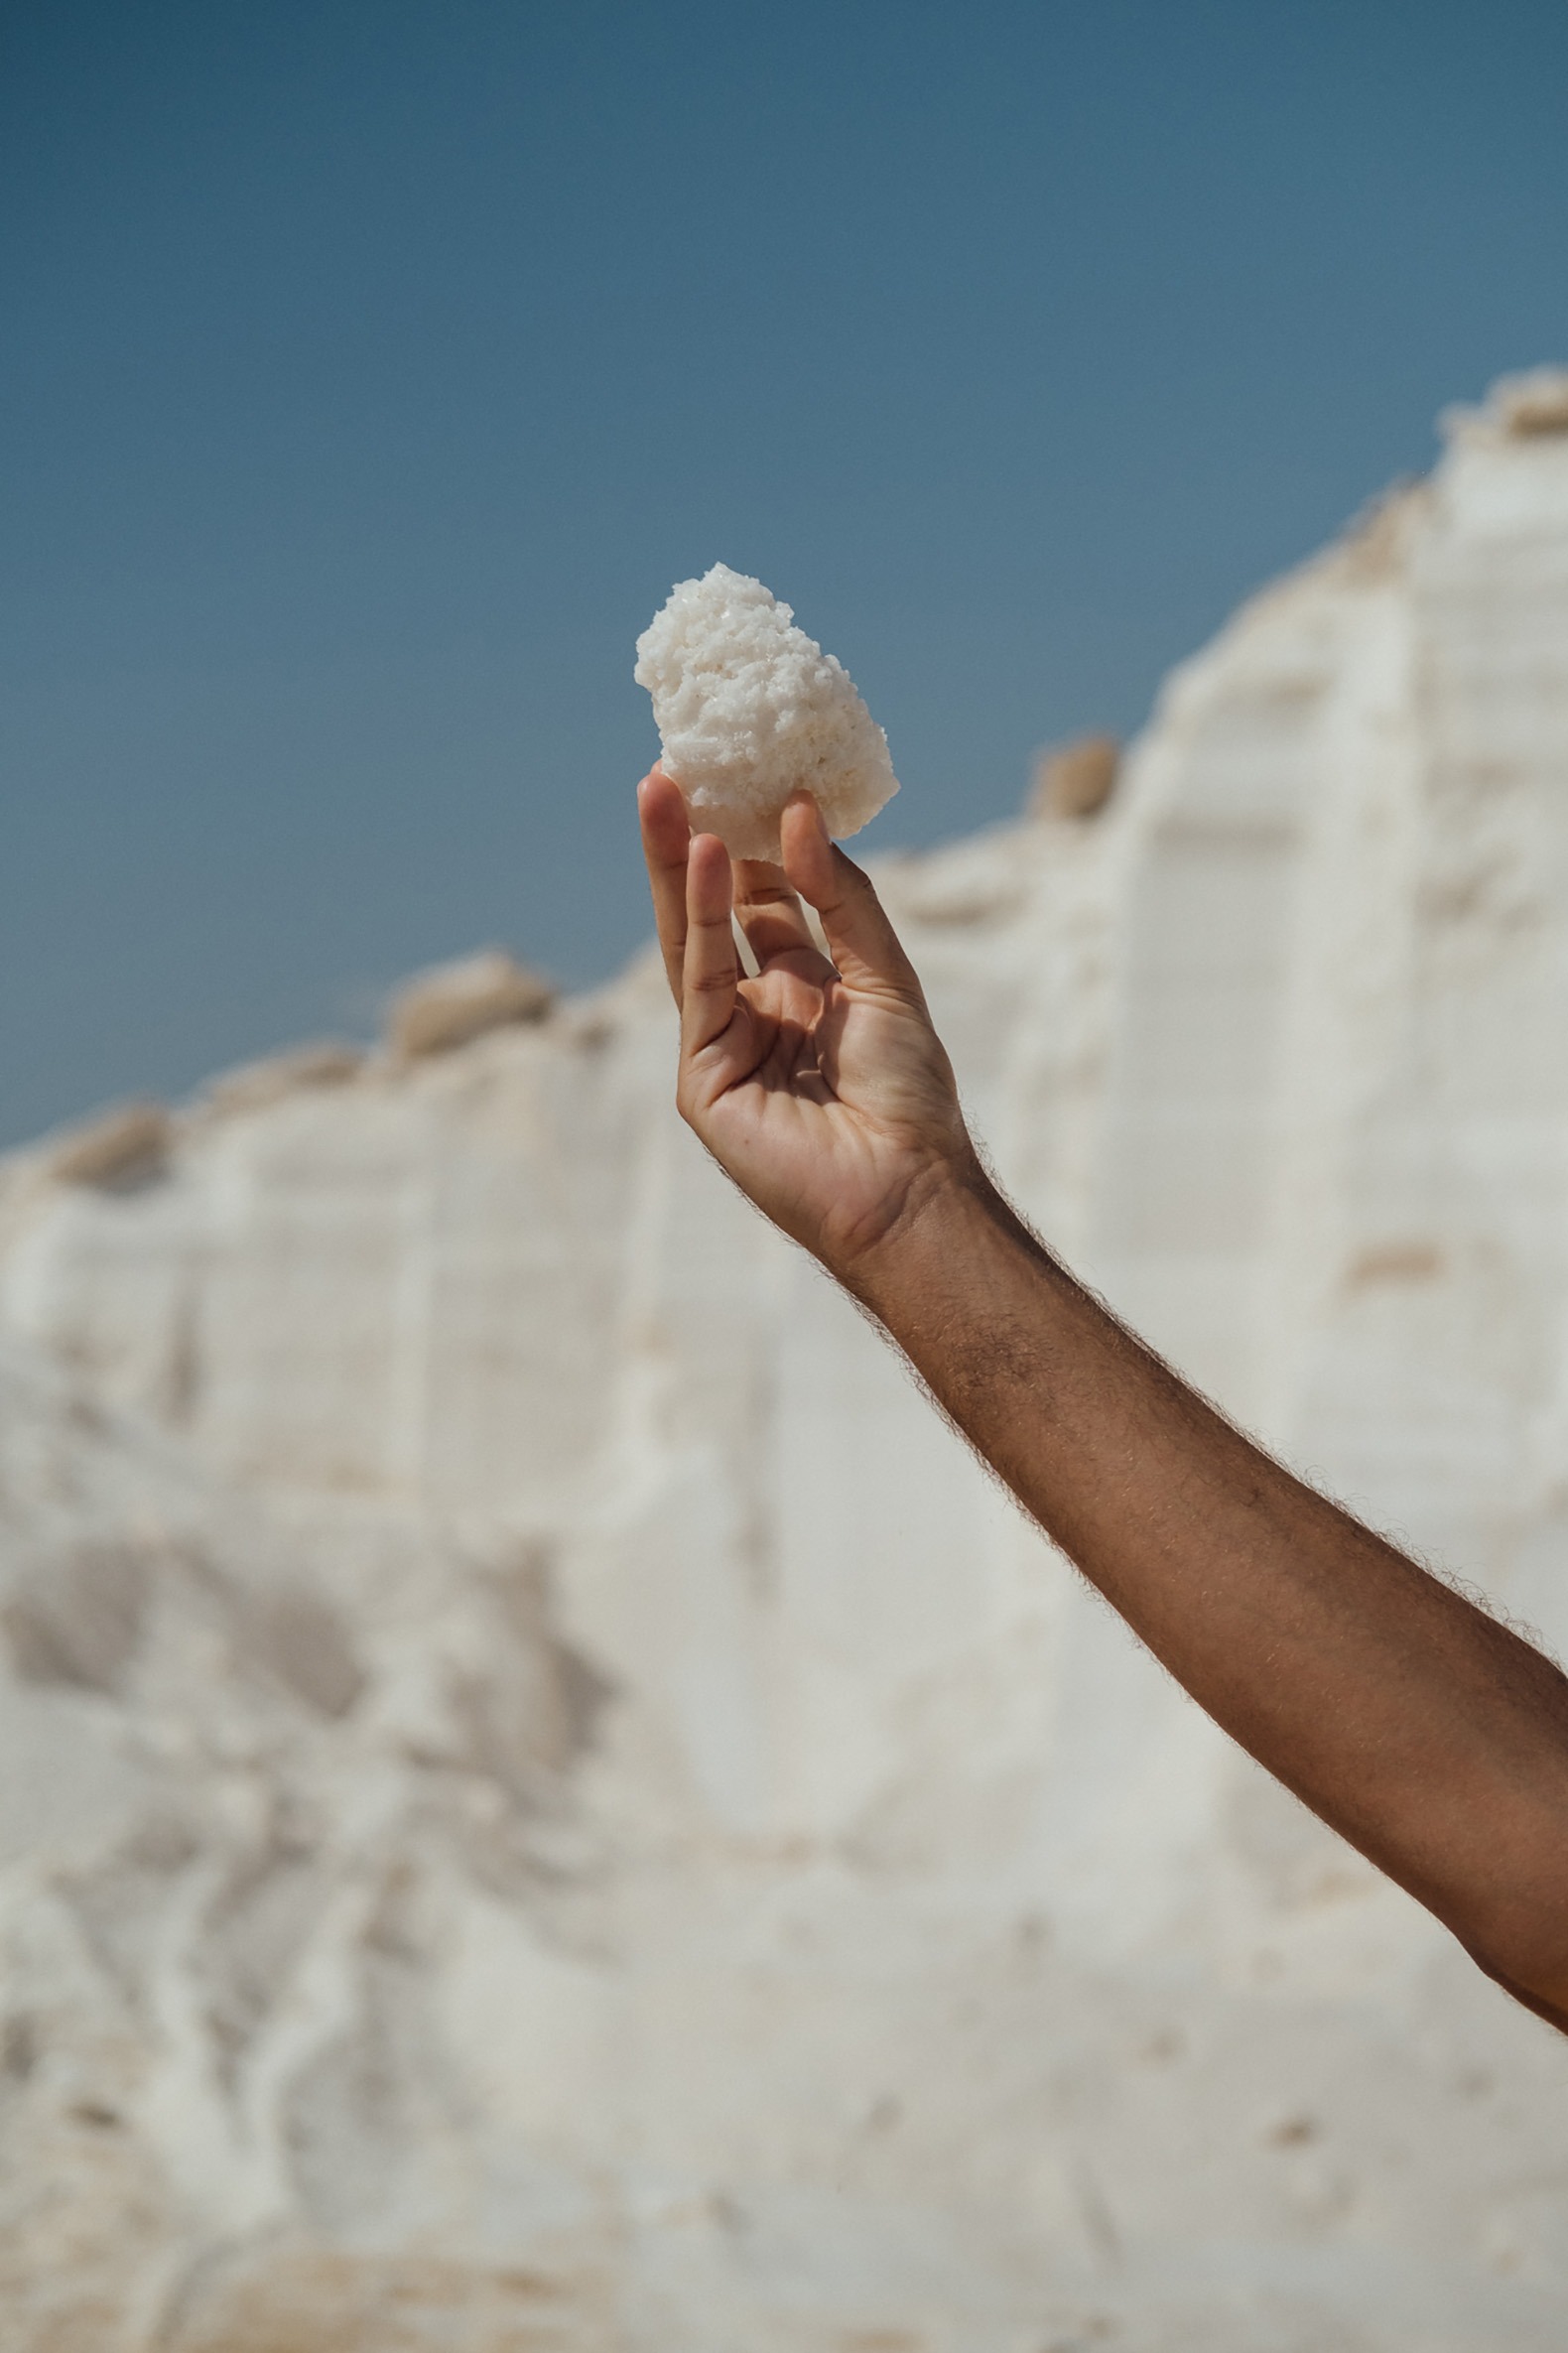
{"x":120,"y":1146}
{"x":454,"y":1003}
{"x":1076,"y":779}
{"x":552,"y":1805}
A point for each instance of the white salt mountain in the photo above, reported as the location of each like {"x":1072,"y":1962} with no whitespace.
{"x":548,"y":1804}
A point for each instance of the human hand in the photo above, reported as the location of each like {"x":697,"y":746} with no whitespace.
{"x":821,"y":1089}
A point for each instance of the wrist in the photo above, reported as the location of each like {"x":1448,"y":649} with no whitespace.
{"x":949,"y":1198}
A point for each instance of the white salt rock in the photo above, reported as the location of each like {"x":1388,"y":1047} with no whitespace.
{"x":750,"y":709}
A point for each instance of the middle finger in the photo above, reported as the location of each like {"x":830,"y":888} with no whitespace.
{"x":770,"y":914}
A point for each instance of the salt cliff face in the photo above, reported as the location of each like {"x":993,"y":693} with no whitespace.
{"x":548,"y":1803}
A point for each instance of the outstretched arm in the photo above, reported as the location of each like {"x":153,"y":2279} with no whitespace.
{"x":1425,"y":1732}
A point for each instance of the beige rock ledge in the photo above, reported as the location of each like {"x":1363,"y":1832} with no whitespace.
{"x":128,"y":1141}
{"x":1535,"y":404}
{"x":451,"y":1004}
{"x":1076,"y":779}
{"x":325,"y":1062}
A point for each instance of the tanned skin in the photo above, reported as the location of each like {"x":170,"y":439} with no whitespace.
{"x":1429,"y":1736}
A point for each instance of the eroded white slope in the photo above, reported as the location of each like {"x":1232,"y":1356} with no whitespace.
{"x":755,"y":1895}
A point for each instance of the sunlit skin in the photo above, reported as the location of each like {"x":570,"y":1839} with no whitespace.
{"x":822,"y":1088}
{"x":1431,"y":1736}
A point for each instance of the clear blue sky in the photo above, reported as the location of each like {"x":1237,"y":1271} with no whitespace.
{"x":370,"y":371}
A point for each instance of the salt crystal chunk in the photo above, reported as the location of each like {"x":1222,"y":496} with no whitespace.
{"x":750,"y":709}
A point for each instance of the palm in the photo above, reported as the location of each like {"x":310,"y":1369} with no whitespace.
{"x":823,"y":1100}
{"x":822,"y":1088}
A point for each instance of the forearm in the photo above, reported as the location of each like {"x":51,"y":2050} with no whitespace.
{"x":1432,"y":1738}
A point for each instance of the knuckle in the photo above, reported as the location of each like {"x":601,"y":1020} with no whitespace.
{"x":692,"y":1102}
{"x":854,"y":889}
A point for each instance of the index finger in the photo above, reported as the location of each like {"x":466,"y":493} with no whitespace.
{"x":665,"y":843}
